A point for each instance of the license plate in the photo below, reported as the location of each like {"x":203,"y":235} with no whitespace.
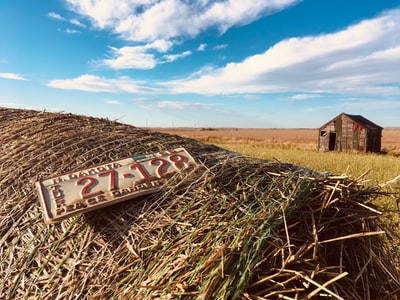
{"x":67,"y":195}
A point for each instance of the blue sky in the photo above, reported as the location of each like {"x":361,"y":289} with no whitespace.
{"x":183,"y":63}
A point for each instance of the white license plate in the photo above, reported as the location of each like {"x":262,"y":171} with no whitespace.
{"x":66,"y":195}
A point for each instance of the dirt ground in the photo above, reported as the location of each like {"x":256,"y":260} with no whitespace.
{"x":390,"y":136}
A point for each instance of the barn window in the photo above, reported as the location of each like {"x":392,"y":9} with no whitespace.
{"x":322,"y":133}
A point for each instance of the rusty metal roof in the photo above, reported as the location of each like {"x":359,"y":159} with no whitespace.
{"x":364,"y":122}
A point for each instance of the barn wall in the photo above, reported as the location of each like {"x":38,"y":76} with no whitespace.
{"x":344,"y":134}
{"x":374,"y":141}
{"x":347,"y":140}
{"x":324,"y":136}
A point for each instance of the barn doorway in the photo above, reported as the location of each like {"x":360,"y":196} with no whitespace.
{"x":332,"y":141}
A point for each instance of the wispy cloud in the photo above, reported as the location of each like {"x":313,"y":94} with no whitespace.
{"x":142,"y":57}
{"x":202,"y":47}
{"x":55,"y":16}
{"x":11,"y":105}
{"x":71,"y":31}
{"x":77,"y":23}
{"x":371,"y":105}
{"x":220,"y":47}
{"x":26,"y":106}
{"x":302,"y":97}
{"x":159,"y":105}
{"x":92,"y":83}
{"x":113,"y":102}
{"x":173,"y":57}
{"x":136,"y":57}
{"x":12,"y":76}
{"x":58,"y":17}
{"x":251,"y":97}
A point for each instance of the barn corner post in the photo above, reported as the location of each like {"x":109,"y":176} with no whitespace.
{"x":329,"y":135}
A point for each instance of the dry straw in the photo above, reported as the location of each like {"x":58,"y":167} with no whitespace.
{"x":233,"y":228}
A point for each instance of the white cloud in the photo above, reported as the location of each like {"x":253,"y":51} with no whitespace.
{"x":220,"y":47}
{"x":113,"y":102}
{"x":251,"y":97}
{"x":136,"y":57}
{"x":11,"y":105}
{"x":77,"y":23}
{"x":71,"y":31}
{"x":202,"y":47}
{"x":371,"y":105}
{"x":362,"y":59}
{"x":158,"y":104}
{"x":303,"y":96}
{"x":148,"y":20}
{"x":55,"y":16}
{"x":160,"y":45}
{"x":27,"y":106}
{"x":173,"y":57}
{"x":12,"y":76}
{"x":92,"y":83}
{"x":89,"y":83}
{"x":142,"y":57}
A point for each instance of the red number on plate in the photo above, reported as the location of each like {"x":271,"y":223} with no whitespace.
{"x":178,"y":160}
{"x":140,"y":169}
{"x":159,"y":170}
{"x":112,"y":178}
{"x":87,"y":186}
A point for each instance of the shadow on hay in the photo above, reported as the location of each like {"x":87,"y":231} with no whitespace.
{"x":113,"y":223}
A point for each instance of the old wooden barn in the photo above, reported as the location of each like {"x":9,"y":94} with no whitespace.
{"x":350,"y":133}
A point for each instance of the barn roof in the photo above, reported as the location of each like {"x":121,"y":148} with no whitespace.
{"x":364,"y":122}
{"x":358,"y":119}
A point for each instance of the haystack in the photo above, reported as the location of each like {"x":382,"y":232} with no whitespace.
{"x":232,"y":228}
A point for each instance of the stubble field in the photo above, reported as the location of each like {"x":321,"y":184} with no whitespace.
{"x":303,"y":138}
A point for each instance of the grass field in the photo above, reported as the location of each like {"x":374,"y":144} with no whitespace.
{"x":380,"y":168}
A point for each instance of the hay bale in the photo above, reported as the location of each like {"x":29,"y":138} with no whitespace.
{"x":233,"y":228}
